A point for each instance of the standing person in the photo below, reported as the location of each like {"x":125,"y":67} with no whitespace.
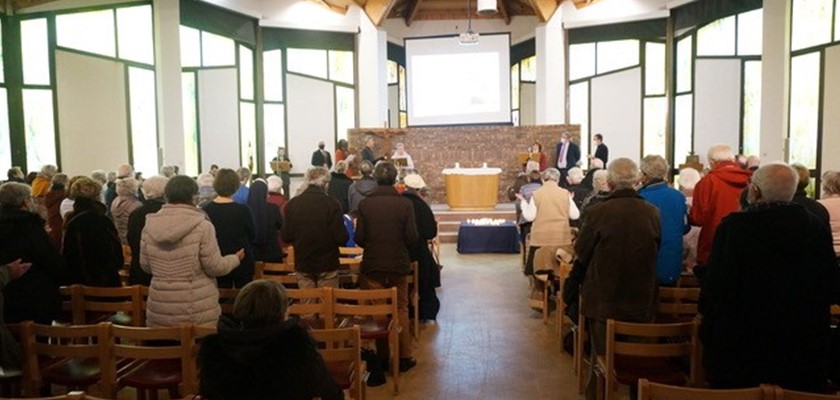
{"x":123,"y":171}
{"x":41,"y":184}
{"x":275,"y":193}
{"x":361,"y":188}
{"x":400,"y":154}
{"x":268,"y":222}
{"x":206,"y":193}
{"x":15,"y":174}
{"x":576,"y":188}
{"x":831,"y":201}
{"x":568,"y":156}
{"x":428,"y":272}
{"x":387,"y":230}
{"x":716,"y":196}
{"x":801,"y":197}
{"x":283,"y":169}
{"x":321,"y":157}
{"x":180,"y":250}
{"x":341,"y":150}
{"x":234,"y":228}
{"x":550,"y":208}
{"x":367,"y":153}
{"x":124,"y":204}
{"x":339,"y":187}
{"x":213,"y":169}
{"x":57,"y":194}
{"x":11,"y":354}
{"x":153,"y":190}
{"x":769,"y":282}
{"x":537,"y":148}
{"x":673,"y":215}
{"x":601,"y":151}
{"x":240,"y":196}
{"x":315,"y":227}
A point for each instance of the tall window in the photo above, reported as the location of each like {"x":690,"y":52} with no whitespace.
{"x":5,"y":140}
{"x":274,"y":110}
{"x":39,"y":124}
{"x":655,"y":105}
{"x":523,"y":72}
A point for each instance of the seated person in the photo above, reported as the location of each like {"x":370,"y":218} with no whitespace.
{"x":260,"y":355}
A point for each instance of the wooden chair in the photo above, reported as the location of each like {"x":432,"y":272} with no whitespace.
{"x":581,"y":338}
{"x":341,"y":350}
{"x":313,"y":306}
{"x":636,"y":351}
{"x":688,"y":280}
{"x":11,"y":380}
{"x":414,"y":299}
{"x":70,"y":356}
{"x":375,"y":313}
{"x":784,"y":394}
{"x":155,"y":359}
{"x":656,"y":391}
{"x":350,"y":259}
{"x":192,"y":376}
{"x":280,"y":272}
{"x":560,"y":317}
{"x":226,"y":298}
{"x":677,"y":304}
{"x":120,"y":305}
{"x":72,"y":305}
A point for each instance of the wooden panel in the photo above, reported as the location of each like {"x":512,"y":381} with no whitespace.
{"x":472,"y":191}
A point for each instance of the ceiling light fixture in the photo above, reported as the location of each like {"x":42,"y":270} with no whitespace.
{"x":487,"y":7}
{"x":470,"y":37}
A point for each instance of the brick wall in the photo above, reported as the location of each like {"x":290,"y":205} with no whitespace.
{"x":434,"y":149}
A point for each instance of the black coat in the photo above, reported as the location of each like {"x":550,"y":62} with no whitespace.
{"x":428,"y":273}
{"x":33,"y":296}
{"x":92,"y":247}
{"x":270,"y":363}
{"x":386,"y":229}
{"x":320,"y":159}
{"x":339,"y":188}
{"x":765,"y":299}
{"x":136,"y":223}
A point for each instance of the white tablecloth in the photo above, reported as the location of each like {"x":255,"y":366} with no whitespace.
{"x":472,"y":171}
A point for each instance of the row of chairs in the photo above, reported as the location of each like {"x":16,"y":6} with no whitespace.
{"x":657,"y":391}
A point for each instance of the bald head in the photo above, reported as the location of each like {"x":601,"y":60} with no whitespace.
{"x":773,"y":182}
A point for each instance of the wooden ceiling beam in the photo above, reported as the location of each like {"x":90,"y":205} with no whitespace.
{"x":21,"y":4}
{"x":544,"y":8}
{"x":377,"y":10}
{"x":412,"y":12}
{"x":503,"y":11}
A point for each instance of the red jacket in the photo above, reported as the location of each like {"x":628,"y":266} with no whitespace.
{"x":715,"y":196}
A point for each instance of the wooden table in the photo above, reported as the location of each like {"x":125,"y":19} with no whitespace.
{"x":472,"y":188}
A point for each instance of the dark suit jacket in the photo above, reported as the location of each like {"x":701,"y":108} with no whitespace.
{"x":603,"y":153}
{"x":321,"y":159}
{"x":572,"y":156}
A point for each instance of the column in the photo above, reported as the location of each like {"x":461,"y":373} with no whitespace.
{"x":775,"y":81}
{"x":167,"y":19}
{"x":372,"y":74}
{"x":551,"y":71}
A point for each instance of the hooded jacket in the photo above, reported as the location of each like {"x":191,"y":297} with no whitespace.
{"x":359,"y":190}
{"x":268,"y":363}
{"x":178,"y":247}
{"x":715,"y":197}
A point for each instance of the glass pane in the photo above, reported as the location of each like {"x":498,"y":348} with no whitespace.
{"x":89,"y":31}
{"x":654,"y":68}
{"x":273,"y":75}
{"x":717,"y":38}
{"x":617,"y":54}
{"x":217,"y":50}
{"x":529,"y":69}
{"x":307,"y":61}
{"x":392,"y":72}
{"x":684,"y":65}
{"x":341,"y":66}
{"x":246,"y":73}
{"x":749,"y":33}
{"x":683,"y":127}
{"x":134,"y":32}
{"x":2,"y":69}
{"x":656,"y":110}
{"x":345,"y":111}
{"x":752,"y":107}
{"x":579,"y":114}
{"x":403,"y":119}
{"x":514,"y":87}
{"x":248,"y":134}
{"x":5,"y":140}
{"x":403,"y":106}
{"x":274,"y":117}
{"x":189,"y":103}
{"x":804,"y":109}
{"x":144,"y":142}
{"x":40,"y":128}
{"x":190,"y":47}
{"x":581,"y":60}
{"x":811,"y":23}
{"x":35,"y":51}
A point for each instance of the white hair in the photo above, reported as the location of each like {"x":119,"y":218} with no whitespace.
{"x":597,"y":163}
{"x":167,"y":171}
{"x":532,"y":166}
{"x":599,"y":181}
{"x":127,"y":186}
{"x":125,"y":170}
{"x":551,"y":174}
{"x":205,"y":180}
{"x":688,"y":178}
{"x":275,"y":184}
{"x":99,"y":176}
{"x":154,"y":187}
{"x":575,"y":175}
{"x":14,"y":194}
{"x":622,"y":174}
{"x":776,"y":181}
{"x":720,"y":152}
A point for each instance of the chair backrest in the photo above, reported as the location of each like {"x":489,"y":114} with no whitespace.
{"x":289,"y":255}
{"x":687,"y":280}
{"x":783,"y":394}
{"x":374,"y":302}
{"x":350,"y":257}
{"x":160,"y":343}
{"x":100,"y":303}
{"x":655,"y":391}
{"x":312,"y":302}
{"x":261,"y":269}
{"x":658,"y":340}
{"x":72,"y":305}
{"x":677,"y":304}
{"x":343,"y":346}
{"x":226,"y":298}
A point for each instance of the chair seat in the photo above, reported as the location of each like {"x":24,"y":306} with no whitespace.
{"x":629,"y":369}
{"x":342,"y":372}
{"x":154,"y":374}
{"x":74,"y":372}
{"x":371,"y":329}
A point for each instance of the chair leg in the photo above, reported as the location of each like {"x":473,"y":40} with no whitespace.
{"x":395,"y":362}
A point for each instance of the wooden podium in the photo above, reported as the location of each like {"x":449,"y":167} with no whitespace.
{"x":281,"y":166}
{"x":472,"y":188}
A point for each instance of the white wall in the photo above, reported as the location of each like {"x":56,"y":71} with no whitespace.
{"x":527,"y":103}
{"x":617,"y":112}
{"x":92,"y":113}
{"x":218,"y":116}
{"x":831,"y":103}
{"x":717,"y":105}
{"x":310,"y":109}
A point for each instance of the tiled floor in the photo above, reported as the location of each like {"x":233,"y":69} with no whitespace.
{"x":487,"y":343}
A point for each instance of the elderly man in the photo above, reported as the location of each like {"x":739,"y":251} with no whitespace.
{"x":765,"y":298}
{"x":321,"y":157}
{"x":576,"y":187}
{"x":672,"y":213}
{"x":715,"y":196}
{"x":314,"y":224}
{"x":241,"y":194}
{"x":153,"y":189}
{"x":550,"y":208}
{"x":568,"y":156}
{"x":387,"y":230}
{"x":594,"y":166}
{"x":801,"y":198}
{"x":617,"y":245}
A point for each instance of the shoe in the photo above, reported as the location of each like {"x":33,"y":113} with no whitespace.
{"x":407,"y":364}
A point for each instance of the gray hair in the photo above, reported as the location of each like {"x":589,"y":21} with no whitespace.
{"x":14,"y":194}
{"x":831,"y":182}
{"x":244,"y":173}
{"x":654,"y":166}
{"x":551,"y":174}
{"x":154,"y":187}
{"x":127,"y":186}
{"x":49,"y":170}
{"x":315,"y":176}
{"x":688,"y":178}
{"x":599,"y":181}
{"x":340,"y":166}
{"x":205,"y":180}
{"x":167,"y":171}
{"x":622,"y":173}
{"x":597,"y":163}
{"x":720,"y":152}
{"x":99,"y":175}
{"x":575,"y":175}
{"x":125,"y":170}
{"x":60,"y":179}
{"x":366,"y":168}
{"x":776,"y":182}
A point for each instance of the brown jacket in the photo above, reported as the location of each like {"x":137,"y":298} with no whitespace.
{"x":386,"y":228}
{"x":618,"y":242}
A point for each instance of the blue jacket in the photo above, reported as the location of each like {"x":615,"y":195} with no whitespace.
{"x":673,"y":217}
{"x":241,"y":195}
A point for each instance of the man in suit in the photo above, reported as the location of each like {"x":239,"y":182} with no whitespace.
{"x":601,"y":150}
{"x":568,"y":156}
{"x":321,"y":157}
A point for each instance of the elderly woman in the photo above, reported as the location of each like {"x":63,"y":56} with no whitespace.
{"x":124,"y":204}
{"x":206,"y":193}
{"x":92,"y":247}
{"x":268,"y":222}
{"x":153,"y":194}
{"x":41,"y":184}
{"x":178,"y":248}
{"x":259,"y":353}
{"x":831,"y":201}
{"x":234,"y":225}
{"x":57,"y":194}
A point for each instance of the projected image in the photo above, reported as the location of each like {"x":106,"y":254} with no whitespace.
{"x":451,"y":84}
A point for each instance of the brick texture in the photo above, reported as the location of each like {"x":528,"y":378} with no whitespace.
{"x":434,"y":149}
